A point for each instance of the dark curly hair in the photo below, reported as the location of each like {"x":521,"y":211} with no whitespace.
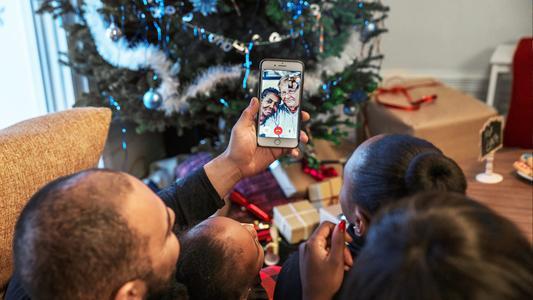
{"x":209,"y":268}
{"x":441,"y":245}
{"x":269,"y":90}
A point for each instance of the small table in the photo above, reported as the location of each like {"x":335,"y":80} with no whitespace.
{"x":511,"y":198}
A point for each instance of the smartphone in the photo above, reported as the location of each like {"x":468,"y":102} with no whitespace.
{"x":280,"y":95}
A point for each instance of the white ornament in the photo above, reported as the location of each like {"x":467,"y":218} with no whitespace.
{"x":274,"y":37}
{"x":315,"y":9}
{"x":239,"y":46}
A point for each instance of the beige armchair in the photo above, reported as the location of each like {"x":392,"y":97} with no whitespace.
{"x":35,"y":152}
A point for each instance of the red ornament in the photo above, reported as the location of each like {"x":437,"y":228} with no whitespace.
{"x":278,"y":130}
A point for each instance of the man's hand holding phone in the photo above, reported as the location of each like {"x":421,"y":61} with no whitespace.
{"x":243,"y":149}
{"x":243,"y":157}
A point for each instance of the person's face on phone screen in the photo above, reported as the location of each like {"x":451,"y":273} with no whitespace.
{"x":269,"y":105}
{"x":289,"y":90}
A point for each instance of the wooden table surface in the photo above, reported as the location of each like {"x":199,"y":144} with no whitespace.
{"x":511,"y":198}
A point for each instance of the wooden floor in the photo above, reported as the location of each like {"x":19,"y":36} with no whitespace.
{"x":512,"y":198}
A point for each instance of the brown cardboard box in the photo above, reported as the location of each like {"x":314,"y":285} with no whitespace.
{"x":296,"y":221}
{"x":325,"y":150}
{"x":452,"y":122}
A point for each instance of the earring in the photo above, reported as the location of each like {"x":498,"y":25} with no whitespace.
{"x":357,"y":229}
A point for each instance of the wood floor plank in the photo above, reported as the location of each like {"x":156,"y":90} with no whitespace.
{"x":511,"y":198}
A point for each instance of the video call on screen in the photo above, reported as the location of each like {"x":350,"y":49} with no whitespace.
{"x":280,"y":104}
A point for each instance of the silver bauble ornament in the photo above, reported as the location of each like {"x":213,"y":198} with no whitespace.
{"x":113,"y":32}
{"x":367,"y":30}
{"x":152,"y":99}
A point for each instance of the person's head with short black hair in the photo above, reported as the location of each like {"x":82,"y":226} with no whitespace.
{"x":386,"y":168}
{"x":220,"y":259}
{"x":97,"y":234}
{"x":441,"y":246}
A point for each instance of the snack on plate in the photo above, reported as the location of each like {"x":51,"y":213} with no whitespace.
{"x":524,"y":166}
{"x":527,"y":158}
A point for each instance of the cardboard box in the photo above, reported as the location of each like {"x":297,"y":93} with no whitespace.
{"x":325,"y":193}
{"x":452,"y":122}
{"x":331,"y":213}
{"x":296,"y":221}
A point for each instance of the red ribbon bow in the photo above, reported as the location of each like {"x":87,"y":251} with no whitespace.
{"x":404,"y":90}
{"x":321,"y":173}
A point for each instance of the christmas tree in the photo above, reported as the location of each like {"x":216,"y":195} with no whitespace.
{"x":193,"y":63}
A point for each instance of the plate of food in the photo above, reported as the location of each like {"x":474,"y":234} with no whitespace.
{"x":524,"y":166}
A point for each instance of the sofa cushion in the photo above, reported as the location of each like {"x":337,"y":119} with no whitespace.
{"x":35,"y":152}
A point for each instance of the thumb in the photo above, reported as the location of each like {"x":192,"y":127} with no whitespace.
{"x":336,"y":253}
{"x":249,"y":113}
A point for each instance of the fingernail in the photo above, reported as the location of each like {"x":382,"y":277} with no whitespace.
{"x":342,"y":226}
{"x":251,"y":102}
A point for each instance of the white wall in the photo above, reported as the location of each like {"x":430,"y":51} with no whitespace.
{"x":21,"y":88}
{"x":451,"y":36}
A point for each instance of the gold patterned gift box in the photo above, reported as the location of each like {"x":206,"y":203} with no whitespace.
{"x":325,"y":193}
{"x":296,"y":221}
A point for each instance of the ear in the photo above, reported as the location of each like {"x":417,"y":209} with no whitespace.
{"x":361,"y":224}
{"x":132,"y":290}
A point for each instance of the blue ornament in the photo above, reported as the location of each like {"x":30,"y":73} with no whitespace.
{"x":296,"y":7}
{"x":205,"y":7}
{"x":170,"y":10}
{"x":349,"y":110}
{"x":187,"y":18}
{"x":358,"y":96}
{"x":152,"y":99}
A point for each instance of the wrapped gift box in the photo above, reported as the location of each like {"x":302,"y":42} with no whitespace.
{"x":296,"y":221}
{"x":294,"y":182}
{"x":452,"y":122}
{"x":331,"y":213}
{"x":325,"y":193}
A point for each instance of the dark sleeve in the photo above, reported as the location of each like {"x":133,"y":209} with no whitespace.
{"x":289,"y":286}
{"x":15,"y":291}
{"x":192,"y":198}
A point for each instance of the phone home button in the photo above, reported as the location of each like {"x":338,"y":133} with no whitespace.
{"x":277,"y":141}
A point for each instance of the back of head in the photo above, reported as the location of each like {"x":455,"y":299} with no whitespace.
{"x":71,"y":243}
{"x":389,"y":167}
{"x":209,"y":267}
{"x":442,"y":246}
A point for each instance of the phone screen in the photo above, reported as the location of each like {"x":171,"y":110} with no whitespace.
{"x":280,"y":103}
